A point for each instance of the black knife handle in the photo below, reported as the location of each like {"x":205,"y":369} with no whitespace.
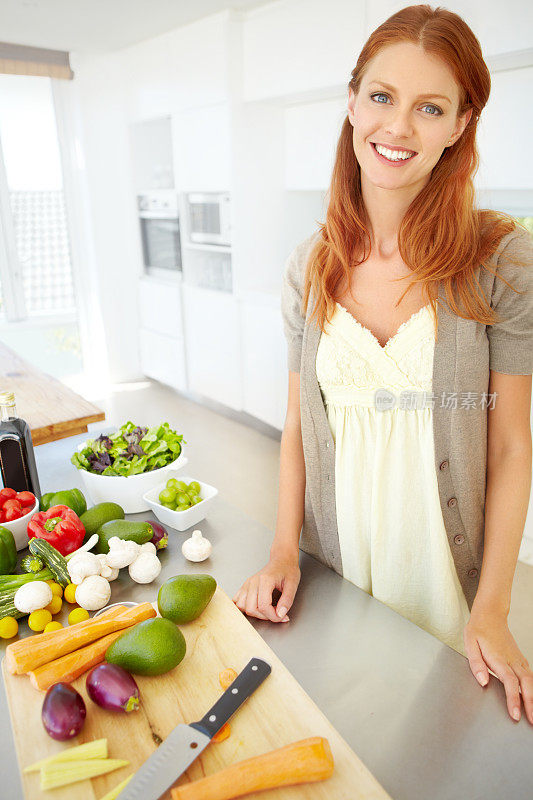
{"x":242,"y":687}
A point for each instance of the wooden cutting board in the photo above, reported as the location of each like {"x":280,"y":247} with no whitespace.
{"x":278,"y":713}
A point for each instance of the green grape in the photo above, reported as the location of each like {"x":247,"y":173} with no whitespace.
{"x":182,"y":507}
{"x":196,"y":499}
{"x":191,"y":493}
{"x":183,"y":499}
{"x":167,"y":496}
{"x":195,"y":486}
{"x":181,"y":486}
{"x":173,"y":483}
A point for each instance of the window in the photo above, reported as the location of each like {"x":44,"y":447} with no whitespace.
{"x":38,"y":314}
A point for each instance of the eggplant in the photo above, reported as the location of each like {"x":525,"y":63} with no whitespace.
{"x":113,"y":688}
{"x":160,"y":537}
{"x":63,"y":712}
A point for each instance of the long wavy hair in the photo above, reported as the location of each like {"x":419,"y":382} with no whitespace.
{"x":443,"y":238}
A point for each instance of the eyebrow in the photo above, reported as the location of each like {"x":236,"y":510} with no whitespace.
{"x":420,"y":96}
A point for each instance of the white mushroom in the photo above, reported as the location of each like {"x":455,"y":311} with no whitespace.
{"x":32,"y":596}
{"x":196,"y":548}
{"x":146,"y":566}
{"x":83,"y":565}
{"x":93,"y":593}
{"x":111,"y":573}
{"x":121,"y":552}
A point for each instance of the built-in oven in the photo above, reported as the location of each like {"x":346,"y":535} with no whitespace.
{"x":160,"y":232}
{"x":209,"y":218}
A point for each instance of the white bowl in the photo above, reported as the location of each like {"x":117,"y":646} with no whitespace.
{"x":126,"y":490}
{"x":181,"y":520}
{"x":19,"y":527}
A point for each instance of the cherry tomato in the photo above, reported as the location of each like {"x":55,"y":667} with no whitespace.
{"x":26,"y":499}
{"x":14,"y":503}
{"x":7,"y":494}
{"x":13,"y":513}
{"x":2,"y":515}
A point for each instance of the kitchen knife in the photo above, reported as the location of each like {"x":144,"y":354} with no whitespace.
{"x":185,"y":743}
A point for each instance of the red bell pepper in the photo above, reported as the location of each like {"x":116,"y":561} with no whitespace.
{"x":59,"y":526}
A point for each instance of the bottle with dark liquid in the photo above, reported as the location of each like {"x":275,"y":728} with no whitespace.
{"x":17,"y":459}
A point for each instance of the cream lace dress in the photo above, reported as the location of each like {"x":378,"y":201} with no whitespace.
{"x":392,"y":536}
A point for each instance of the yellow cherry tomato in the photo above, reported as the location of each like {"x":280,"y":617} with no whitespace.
{"x":70,"y":593}
{"x":57,"y":589}
{"x":38,"y":620}
{"x":9,"y":627}
{"x":53,"y":626}
{"x":77,"y":615}
{"x":55,"y":606}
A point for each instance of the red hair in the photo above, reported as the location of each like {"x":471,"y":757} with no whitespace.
{"x":443,"y":238}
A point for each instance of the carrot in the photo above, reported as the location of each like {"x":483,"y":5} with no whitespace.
{"x":34,"y":651}
{"x":69,"y":667}
{"x":304,"y":761}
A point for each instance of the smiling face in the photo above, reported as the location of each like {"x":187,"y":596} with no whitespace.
{"x":407,"y":102}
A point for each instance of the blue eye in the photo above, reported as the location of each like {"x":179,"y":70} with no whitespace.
{"x":426,"y":105}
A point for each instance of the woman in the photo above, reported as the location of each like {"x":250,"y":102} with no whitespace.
{"x":420,"y":502}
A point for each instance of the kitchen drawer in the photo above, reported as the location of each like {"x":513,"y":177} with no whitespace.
{"x":163,"y":358}
{"x":160,"y":307}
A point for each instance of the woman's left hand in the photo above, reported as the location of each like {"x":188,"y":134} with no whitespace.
{"x":490,"y":644}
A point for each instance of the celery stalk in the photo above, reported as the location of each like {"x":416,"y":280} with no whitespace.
{"x":114,"y":793}
{"x":94,"y":749}
{"x":63,"y":773}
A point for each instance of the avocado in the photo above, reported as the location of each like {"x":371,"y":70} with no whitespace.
{"x":96,"y":516}
{"x":140,"y":532}
{"x":151,"y":647}
{"x":184,"y":597}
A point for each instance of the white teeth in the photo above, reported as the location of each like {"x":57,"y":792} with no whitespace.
{"x":393,"y":155}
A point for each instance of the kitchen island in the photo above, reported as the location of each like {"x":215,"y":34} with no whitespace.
{"x":407,"y":704}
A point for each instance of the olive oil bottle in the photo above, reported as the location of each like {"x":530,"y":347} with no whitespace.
{"x":17,"y":459}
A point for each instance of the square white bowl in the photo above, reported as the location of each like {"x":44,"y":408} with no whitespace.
{"x":19,"y":527}
{"x":181,"y":520}
{"x":126,"y":490}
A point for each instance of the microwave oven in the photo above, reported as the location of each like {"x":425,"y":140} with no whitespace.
{"x":209,"y":218}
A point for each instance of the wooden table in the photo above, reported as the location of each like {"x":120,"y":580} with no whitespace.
{"x":51,"y":409}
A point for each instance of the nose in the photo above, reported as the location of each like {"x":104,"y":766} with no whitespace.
{"x":399,"y":125}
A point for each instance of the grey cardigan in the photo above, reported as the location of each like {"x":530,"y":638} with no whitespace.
{"x":465,"y":352}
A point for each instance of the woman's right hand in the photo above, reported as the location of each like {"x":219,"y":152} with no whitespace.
{"x":255,"y":595}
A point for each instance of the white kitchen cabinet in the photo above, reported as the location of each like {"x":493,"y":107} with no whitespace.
{"x":213,"y":345}
{"x":298,"y":46}
{"x":202,"y":148}
{"x":163,"y":358}
{"x":151,"y":154}
{"x":503,"y":166}
{"x":311,"y":134}
{"x":265,"y":372}
{"x":161,"y":336}
{"x":160,"y":306}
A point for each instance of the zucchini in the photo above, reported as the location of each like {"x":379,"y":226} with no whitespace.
{"x":31,"y":563}
{"x":10,"y":611}
{"x":6,"y":596}
{"x":52,"y":558}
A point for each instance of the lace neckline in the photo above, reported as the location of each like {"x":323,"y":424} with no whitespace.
{"x":402,"y":327}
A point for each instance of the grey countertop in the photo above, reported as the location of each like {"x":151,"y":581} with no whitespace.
{"x":407,"y":704}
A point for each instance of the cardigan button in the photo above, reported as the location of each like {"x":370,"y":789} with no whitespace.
{"x":452,"y":502}
{"x":472,"y":573}
{"x":459,"y":539}
{"x":443,"y":465}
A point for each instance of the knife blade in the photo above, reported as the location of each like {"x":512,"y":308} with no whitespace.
{"x":185,"y":742}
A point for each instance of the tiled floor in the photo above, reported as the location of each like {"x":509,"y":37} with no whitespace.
{"x":243,"y":464}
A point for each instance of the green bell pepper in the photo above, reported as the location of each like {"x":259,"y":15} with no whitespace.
{"x":72,"y":498}
{"x":8,"y":551}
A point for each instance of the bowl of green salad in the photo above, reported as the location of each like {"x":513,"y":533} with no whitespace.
{"x":121,"y":467}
